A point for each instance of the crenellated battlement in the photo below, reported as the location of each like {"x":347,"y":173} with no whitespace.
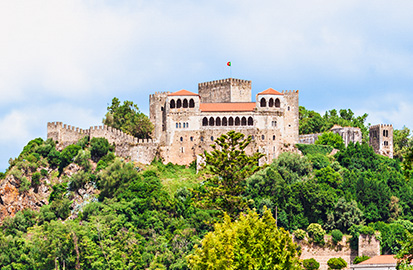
{"x":286,"y":92}
{"x":224,"y":82}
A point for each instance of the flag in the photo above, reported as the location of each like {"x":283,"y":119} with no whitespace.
{"x":229,"y":64}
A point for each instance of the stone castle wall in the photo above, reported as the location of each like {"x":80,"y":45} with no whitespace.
{"x":368,"y":245}
{"x":227,"y":90}
{"x":308,"y":138}
{"x":126,"y":145}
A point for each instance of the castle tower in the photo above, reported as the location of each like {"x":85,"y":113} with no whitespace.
{"x":227,"y":90}
{"x":381,"y":139}
{"x":291,"y":116}
{"x":157,"y":114}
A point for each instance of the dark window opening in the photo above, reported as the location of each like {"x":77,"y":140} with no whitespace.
{"x":263,"y":103}
{"x":237,"y":121}
{"x":172,"y":104}
{"x":262,"y":137}
{"x":179,"y":103}
{"x":243,"y":121}
{"x":191,"y":103}
{"x":181,"y":139}
{"x":250,"y":121}
{"x":218,"y":121}
{"x":277,"y":103}
{"x":224,"y":121}
{"x":185,"y":105}
{"x":231,"y":121}
{"x":205,"y":121}
{"x":271,"y":102}
{"x":211,"y":121}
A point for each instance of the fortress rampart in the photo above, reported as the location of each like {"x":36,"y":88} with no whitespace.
{"x":126,"y":145}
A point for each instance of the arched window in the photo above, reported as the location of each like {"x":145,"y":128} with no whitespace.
{"x":288,"y":108}
{"x":263,"y":137}
{"x":205,"y":121}
{"x":273,"y":138}
{"x":212,"y":138}
{"x":277,"y":103}
{"x":191,"y":103}
{"x":185,"y":104}
{"x":271,"y":102}
{"x":230,"y":121}
{"x":250,"y":121}
{"x":179,"y":125}
{"x":237,"y":121}
{"x":218,"y":121}
{"x":211,"y":121}
{"x":172,"y":104}
{"x":162,"y":109}
{"x":187,"y":125}
{"x":176,"y":125}
{"x":263,"y":103}
{"x":224,"y":121}
{"x":243,"y":121}
{"x":202,"y":138}
{"x":181,"y":139}
{"x":179,"y":103}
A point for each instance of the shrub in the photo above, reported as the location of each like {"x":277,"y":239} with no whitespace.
{"x":43,"y":172}
{"x":337,"y":263}
{"x":310,"y":264}
{"x":24,"y":184}
{"x":67,"y":155}
{"x":61,"y":208}
{"x":336,"y":236}
{"x":83,"y":142}
{"x":367,"y":230}
{"x":82,"y":159}
{"x":360,"y":259}
{"x":99,"y":147}
{"x":316,"y":233}
{"x":36,"y":179}
{"x":311,"y":149}
{"x":299,"y":234}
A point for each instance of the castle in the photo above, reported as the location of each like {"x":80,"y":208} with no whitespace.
{"x":187,"y":123}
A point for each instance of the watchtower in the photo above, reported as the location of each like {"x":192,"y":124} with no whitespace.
{"x":224,"y":91}
{"x":381,"y":139}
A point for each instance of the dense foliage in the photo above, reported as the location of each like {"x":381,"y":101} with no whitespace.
{"x":250,"y":241}
{"x":128,"y":118}
{"x":152,"y":217}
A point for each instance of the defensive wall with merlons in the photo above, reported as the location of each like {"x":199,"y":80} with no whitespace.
{"x":127,"y":146}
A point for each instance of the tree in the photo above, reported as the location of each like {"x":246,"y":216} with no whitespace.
{"x":128,"y":118}
{"x":332,"y":139}
{"x":345,"y":215}
{"x":249,"y":241}
{"x":337,"y":263}
{"x":231,"y":166}
{"x":401,"y":141}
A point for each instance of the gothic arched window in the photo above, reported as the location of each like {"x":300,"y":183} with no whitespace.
{"x":218,"y":121}
{"x":211,"y":121}
{"x":224,"y":121}
{"x":277,"y":103}
{"x":191,"y":103}
{"x":179,"y":103}
{"x":172,"y":104}
{"x":185,"y":105}
{"x":230,"y":121}
{"x":243,"y":121}
{"x":271,"y":102}
{"x":237,"y":121}
{"x":205,"y":121}
{"x":263,"y":103}
{"x":250,"y":121}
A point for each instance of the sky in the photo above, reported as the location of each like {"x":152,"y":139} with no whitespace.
{"x":65,"y":60}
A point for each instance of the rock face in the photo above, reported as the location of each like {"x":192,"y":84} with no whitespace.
{"x":13,"y":200}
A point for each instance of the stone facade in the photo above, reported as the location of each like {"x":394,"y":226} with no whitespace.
{"x":349,"y":134}
{"x":186,"y":123}
{"x":381,"y":139}
{"x":369,"y":245}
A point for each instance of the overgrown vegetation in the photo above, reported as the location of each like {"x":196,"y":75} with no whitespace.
{"x":152,"y":217}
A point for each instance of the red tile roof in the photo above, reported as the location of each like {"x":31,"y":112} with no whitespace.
{"x":270,"y":91}
{"x":382,"y":259}
{"x":228,"y":107}
{"x":183,"y":92}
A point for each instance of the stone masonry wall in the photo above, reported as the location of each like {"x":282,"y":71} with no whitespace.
{"x":126,"y":145}
{"x":368,"y":245}
{"x":323,"y":254}
{"x":227,"y":90}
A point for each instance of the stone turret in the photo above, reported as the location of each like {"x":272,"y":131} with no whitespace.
{"x":381,"y":139}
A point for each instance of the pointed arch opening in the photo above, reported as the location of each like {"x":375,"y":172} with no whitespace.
{"x":191,"y":103}
{"x":250,"y":121}
{"x":224,"y":121}
{"x":237,"y":121}
{"x":172,"y":104}
{"x":263,"y":102}
{"x":218,"y":122}
{"x":185,"y":103}
{"x":271,"y":102}
{"x":277,"y":103}
{"x":211,"y":121}
{"x":179,"y":103}
{"x":243,"y":121}
{"x":205,"y":121}
{"x":231,"y":121}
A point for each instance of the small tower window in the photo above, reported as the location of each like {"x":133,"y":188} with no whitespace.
{"x":262,"y":137}
{"x":273,"y":137}
{"x":212,"y":138}
{"x":192,"y":139}
{"x":202,"y":138}
{"x":288,"y":108}
{"x":181,"y":139}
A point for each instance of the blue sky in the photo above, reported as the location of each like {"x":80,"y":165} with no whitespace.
{"x":66,"y":60}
